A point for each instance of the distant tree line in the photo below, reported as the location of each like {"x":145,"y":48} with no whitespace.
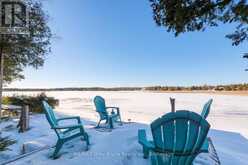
{"x":74,"y":89}
{"x":231,"y":87}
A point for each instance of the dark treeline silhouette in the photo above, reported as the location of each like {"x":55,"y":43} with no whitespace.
{"x":74,"y":89}
{"x":231,"y":87}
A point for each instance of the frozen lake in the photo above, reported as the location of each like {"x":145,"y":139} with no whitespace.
{"x":228,"y":119}
{"x":229,"y":113}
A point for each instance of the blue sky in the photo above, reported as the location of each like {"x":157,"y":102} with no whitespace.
{"x":116,"y":43}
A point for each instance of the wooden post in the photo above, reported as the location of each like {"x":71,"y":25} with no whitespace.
{"x":1,"y":78}
{"x":24,"y":119}
{"x":172,"y":101}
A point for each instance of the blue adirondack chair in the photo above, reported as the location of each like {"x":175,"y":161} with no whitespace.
{"x":178,"y":137}
{"x":64,"y":132}
{"x":110,"y":118}
{"x":206,"y":109}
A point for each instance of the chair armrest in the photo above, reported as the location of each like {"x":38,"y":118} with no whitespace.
{"x":143,"y":140}
{"x":68,"y":126}
{"x":114,"y":108}
{"x":70,"y":118}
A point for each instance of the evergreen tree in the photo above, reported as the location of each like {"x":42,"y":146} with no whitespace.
{"x":181,"y":16}
{"x":19,"y":51}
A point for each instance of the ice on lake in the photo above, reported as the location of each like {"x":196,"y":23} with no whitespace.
{"x":228,"y":112}
{"x":228,"y":119}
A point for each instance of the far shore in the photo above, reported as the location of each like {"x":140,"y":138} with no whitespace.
{"x":236,"y":93}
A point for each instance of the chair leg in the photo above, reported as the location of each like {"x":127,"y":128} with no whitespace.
{"x":111,"y":124}
{"x":154,"y":160}
{"x":58,"y":146}
{"x":120,"y":120}
{"x":145,"y":152}
{"x":86,"y":137}
{"x":98,"y":124}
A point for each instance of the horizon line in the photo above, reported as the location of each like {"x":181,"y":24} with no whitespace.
{"x":115,"y":87}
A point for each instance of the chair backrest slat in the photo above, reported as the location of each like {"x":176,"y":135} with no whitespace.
{"x":179,"y":132}
{"x":206,"y":109}
{"x":100,"y":106}
{"x":201,"y":135}
{"x":50,"y":114}
{"x":168,"y":130}
{"x":158,"y":137}
{"x":192,"y":135}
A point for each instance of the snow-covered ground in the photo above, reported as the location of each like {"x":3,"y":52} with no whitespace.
{"x":228,"y":119}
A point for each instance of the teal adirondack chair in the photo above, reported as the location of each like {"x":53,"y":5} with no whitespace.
{"x":178,"y":137}
{"x":206,"y":109}
{"x":110,"y":118}
{"x":64,"y":132}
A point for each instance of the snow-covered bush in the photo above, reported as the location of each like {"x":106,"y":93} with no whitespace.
{"x":34,"y":102}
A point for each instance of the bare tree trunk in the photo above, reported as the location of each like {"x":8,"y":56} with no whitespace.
{"x":1,"y":78}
